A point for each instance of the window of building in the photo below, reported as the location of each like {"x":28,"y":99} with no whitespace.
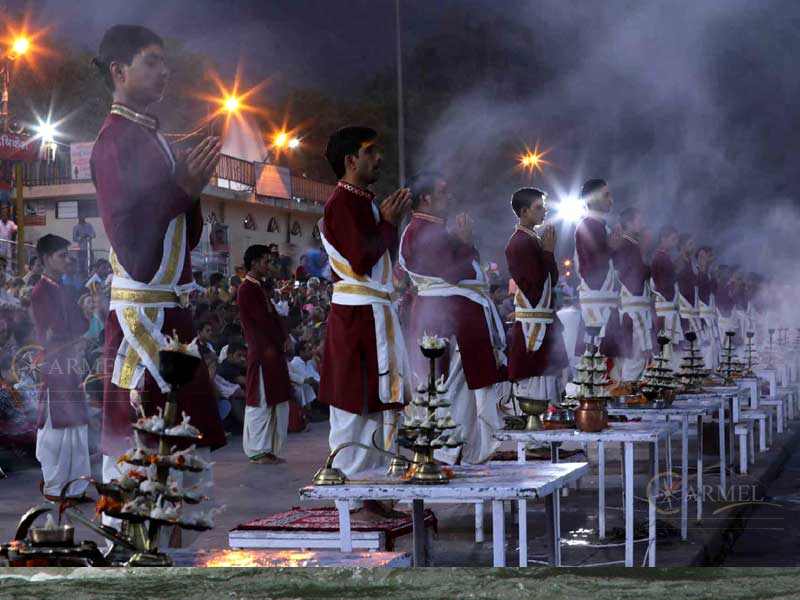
{"x":67,"y":209}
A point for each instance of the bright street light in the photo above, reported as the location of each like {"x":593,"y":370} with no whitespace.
{"x":570,"y":209}
{"x":232,"y":104}
{"x":21,"y":46}
{"x":46,"y":131}
{"x":281,"y":140}
{"x":293,"y":143}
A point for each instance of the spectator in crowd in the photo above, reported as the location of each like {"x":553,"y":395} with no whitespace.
{"x":8,"y":232}
{"x":83,"y":234}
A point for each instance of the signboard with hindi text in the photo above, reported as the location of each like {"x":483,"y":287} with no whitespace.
{"x":17,"y":147}
{"x":79,"y":155}
{"x":273,"y":181}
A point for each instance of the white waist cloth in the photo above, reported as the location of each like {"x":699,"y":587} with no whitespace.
{"x":64,"y":455}
{"x":534,"y":319}
{"x":596,"y":305}
{"x":639,"y":309}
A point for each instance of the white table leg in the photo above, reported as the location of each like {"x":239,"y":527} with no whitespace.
{"x":743,"y":452}
{"x":479,"y":535}
{"x":700,"y":467}
{"x":723,"y":465}
{"x":523,"y":533}
{"x":732,"y":430}
{"x":780,"y":417}
{"x":552,"y":505}
{"x":762,"y":435}
{"x":345,"y":534}
{"x":669,"y":459}
{"x":628,"y":460}
{"x":684,"y":477}
{"x":601,"y":491}
{"x":499,"y":533}
{"x":651,"y":511}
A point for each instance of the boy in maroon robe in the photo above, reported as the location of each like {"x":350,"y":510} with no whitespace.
{"x":266,"y":416}
{"x":150,"y":205}
{"x":665,"y":289}
{"x":363,"y":360}
{"x":537,"y":355}
{"x":62,"y":438}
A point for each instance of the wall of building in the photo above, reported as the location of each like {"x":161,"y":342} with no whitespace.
{"x":229,"y":208}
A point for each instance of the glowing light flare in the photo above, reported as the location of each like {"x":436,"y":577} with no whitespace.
{"x":46,"y":131}
{"x":232,"y":104}
{"x":293,"y":143}
{"x":533,"y":159}
{"x":567,"y":262}
{"x":280,"y":139}
{"x":20,"y":46}
{"x":570,"y":209}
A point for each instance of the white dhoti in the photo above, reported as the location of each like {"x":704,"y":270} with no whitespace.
{"x":63,"y":454}
{"x":632,"y":369}
{"x":475,"y":411}
{"x":265,"y":427}
{"x":348,"y":427}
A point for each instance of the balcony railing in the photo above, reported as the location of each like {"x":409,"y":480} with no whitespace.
{"x":229,"y":169}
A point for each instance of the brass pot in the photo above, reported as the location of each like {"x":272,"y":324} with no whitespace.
{"x":591,"y":416}
{"x":534,"y":409}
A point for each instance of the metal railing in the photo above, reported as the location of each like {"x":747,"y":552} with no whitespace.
{"x":230,"y":169}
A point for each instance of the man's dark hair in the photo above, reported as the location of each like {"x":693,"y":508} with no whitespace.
{"x":665,"y":232}
{"x":121,"y":43}
{"x":216,"y":279}
{"x":591,"y":186}
{"x":254,"y":253}
{"x":524,"y":198}
{"x":423,"y":184}
{"x":629,"y":215}
{"x":343,"y":143}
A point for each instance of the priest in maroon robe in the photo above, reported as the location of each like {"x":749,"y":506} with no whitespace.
{"x":62,"y":438}
{"x":598,"y":290}
{"x":665,"y":290}
{"x":268,"y":390}
{"x":636,"y":303}
{"x":363,"y":361}
{"x":537,"y":356}
{"x":149,"y":202}
{"x":452,"y":302}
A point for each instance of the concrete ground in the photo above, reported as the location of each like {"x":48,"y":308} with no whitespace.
{"x":251,"y":491}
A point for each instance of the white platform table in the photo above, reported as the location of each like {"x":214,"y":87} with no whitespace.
{"x":627,"y":434}
{"x":683,"y":413}
{"x":471,"y":484}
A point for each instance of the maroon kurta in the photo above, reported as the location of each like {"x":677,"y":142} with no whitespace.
{"x":137,"y":197}
{"x":60,"y":325}
{"x":633,"y":273}
{"x":349,"y":377}
{"x":530,"y":266}
{"x":265,"y":337}
{"x":687,"y":280}
{"x":429,"y":249}
{"x":591,"y":246}
{"x":663,"y":279}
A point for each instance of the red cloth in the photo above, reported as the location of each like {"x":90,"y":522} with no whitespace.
{"x":530,"y":266}
{"x":705,"y":287}
{"x":349,"y":375}
{"x":429,"y":249}
{"x":60,"y":324}
{"x":591,"y":246}
{"x":664,"y":279}
{"x":633,"y":273}
{"x":137,"y":197}
{"x":265,"y":338}
{"x":327,"y":519}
